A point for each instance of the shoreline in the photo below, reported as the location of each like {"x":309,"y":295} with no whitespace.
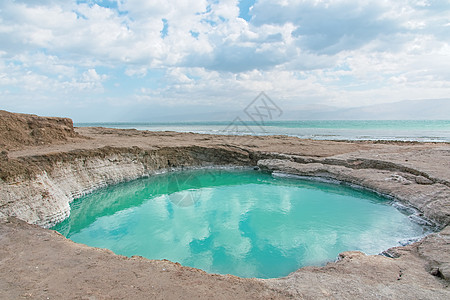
{"x":312,"y":133}
{"x":39,"y":181}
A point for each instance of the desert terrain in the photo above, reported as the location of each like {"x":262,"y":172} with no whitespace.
{"x":46,"y":163}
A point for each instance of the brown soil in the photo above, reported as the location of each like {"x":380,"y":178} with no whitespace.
{"x":18,"y":130}
{"x":37,"y":263}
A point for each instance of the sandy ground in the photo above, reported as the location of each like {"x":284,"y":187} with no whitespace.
{"x":37,"y":263}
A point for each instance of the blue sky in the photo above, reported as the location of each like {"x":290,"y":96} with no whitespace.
{"x":136,"y":60}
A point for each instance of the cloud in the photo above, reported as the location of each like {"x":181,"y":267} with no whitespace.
{"x":330,"y":52}
{"x":330,"y":27}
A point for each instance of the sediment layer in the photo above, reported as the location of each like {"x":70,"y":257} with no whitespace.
{"x":39,"y":189}
{"x":38,"y":181}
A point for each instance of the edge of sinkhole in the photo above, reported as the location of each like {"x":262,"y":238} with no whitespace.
{"x":413,"y":214}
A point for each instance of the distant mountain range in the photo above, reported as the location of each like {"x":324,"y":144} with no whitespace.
{"x":428,"y":109}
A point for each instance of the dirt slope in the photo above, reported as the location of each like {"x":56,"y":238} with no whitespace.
{"x":18,"y":130}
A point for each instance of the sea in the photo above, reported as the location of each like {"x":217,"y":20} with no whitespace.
{"x":389,"y":130}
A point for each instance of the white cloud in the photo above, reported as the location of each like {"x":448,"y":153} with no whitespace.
{"x":331,"y":52}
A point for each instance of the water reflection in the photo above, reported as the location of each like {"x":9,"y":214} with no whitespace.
{"x":244,"y":223}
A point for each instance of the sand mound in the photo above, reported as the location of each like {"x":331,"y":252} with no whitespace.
{"x":18,"y":130}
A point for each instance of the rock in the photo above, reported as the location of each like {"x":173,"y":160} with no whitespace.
{"x":444,"y":269}
{"x":391,"y":253}
{"x":420,"y":220}
{"x":350,"y":255}
{"x":423,"y":180}
{"x":398,"y":178}
{"x":405,"y":242}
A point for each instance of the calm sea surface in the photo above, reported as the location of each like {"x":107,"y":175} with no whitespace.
{"x":404,"y":130}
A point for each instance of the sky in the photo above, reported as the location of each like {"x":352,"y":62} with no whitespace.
{"x":139,"y":60}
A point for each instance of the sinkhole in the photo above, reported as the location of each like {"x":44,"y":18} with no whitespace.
{"x":242,"y":222}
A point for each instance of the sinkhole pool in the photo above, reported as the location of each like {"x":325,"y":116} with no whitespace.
{"x":241,"y":222}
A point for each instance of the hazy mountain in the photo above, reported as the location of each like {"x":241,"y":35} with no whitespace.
{"x":429,"y":109}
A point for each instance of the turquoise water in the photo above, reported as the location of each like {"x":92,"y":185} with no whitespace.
{"x":245,"y":223}
{"x":399,"y":130}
